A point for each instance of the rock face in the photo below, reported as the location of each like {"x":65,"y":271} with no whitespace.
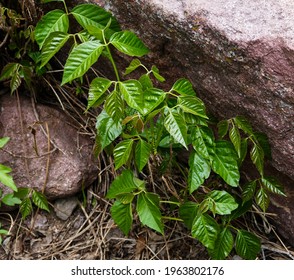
{"x":61,"y":172}
{"x":238,"y":54}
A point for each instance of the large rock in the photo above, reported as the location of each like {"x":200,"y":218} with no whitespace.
{"x":63,"y":171}
{"x":240,"y":57}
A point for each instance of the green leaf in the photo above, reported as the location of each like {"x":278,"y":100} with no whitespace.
{"x":241,"y":210}
{"x":97,"y":88}
{"x":248,"y":191}
{"x":223,"y":127}
{"x":7,"y":179}
{"x":193,"y":105}
{"x":199,"y":171}
{"x":206,"y":230}
{"x":263,"y":142}
{"x":243,"y":124}
{"x":10,"y":199}
{"x":93,"y":15}
{"x":9,"y":70}
{"x":81,"y":59}
{"x":122,"y":184}
{"x":127,"y":42}
{"x":4,"y":141}
{"x":223,"y":245}
{"x":225,"y":163}
{"x":176,"y":126}
{"x":257,"y":157}
{"x":53,"y":43}
{"x":203,"y":141}
{"x":155,"y":72}
{"x":125,"y":198}
{"x":122,"y":216}
{"x":135,"y":63}
{"x":142,"y":154}
{"x":188,"y":211}
{"x":107,"y":130}
{"x":224,"y":203}
{"x":26,"y":207}
{"x":184,"y":87}
{"x":133,"y":94}
{"x":152,"y":97}
{"x":146,"y":82}
{"x":114,"y":106}
{"x":272,"y":185}
{"x":122,"y":152}
{"x":15,"y":81}
{"x":56,"y":20}
{"x":40,"y":200}
{"x":243,"y":150}
{"x":235,"y":138}
{"x":149,"y":211}
{"x":22,"y":193}
{"x":247,"y":245}
{"x":262,"y":199}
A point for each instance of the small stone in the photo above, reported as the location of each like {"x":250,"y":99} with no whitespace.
{"x":64,"y":207}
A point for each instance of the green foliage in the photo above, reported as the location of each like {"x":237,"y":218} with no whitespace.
{"x":139,"y":120}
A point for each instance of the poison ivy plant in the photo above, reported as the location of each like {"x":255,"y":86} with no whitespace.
{"x":139,"y":120}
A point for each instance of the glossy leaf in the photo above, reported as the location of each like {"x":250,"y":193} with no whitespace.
{"x":243,"y":124}
{"x":5,"y":178}
{"x":4,"y":141}
{"x":53,"y":43}
{"x":243,"y":150}
{"x":146,"y":82}
{"x":241,"y":210}
{"x":184,"y":87}
{"x":80,"y":60}
{"x":97,"y":88}
{"x":122,"y":152}
{"x":127,"y":42}
{"x":40,"y":200}
{"x":223,"y":245}
{"x":223,"y":128}
{"x":155,"y":72}
{"x":93,"y":15}
{"x":56,"y":20}
{"x":9,"y":70}
{"x":225,"y":163}
{"x":224,"y":203}
{"x":15,"y":81}
{"x":10,"y":200}
{"x":206,"y":230}
{"x":152,"y":98}
{"x":235,"y":138}
{"x":262,"y":199}
{"x":107,"y":130}
{"x":26,"y":207}
{"x":149,"y":211}
{"x":257,"y":157}
{"x":142,"y":154}
{"x":272,"y":185}
{"x":122,"y":216}
{"x":176,"y":126}
{"x":247,"y":245}
{"x":188,"y":211}
{"x":248,"y":191}
{"x":133,"y":94}
{"x":122,"y":184}
{"x":135,"y":63}
{"x":199,"y":171}
{"x":263,"y":142}
{"x":193,"y":105}
{"x":114,"y":106}
{"x":203,"y":141}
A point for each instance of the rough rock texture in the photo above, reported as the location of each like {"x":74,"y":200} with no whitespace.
{"x":239,"y":55}
{"x":65,"y":169}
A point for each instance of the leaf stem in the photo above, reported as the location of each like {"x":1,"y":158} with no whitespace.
{"x":65,"y":7}
{"x":172,"y":218}
{"x":170,"y":202}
